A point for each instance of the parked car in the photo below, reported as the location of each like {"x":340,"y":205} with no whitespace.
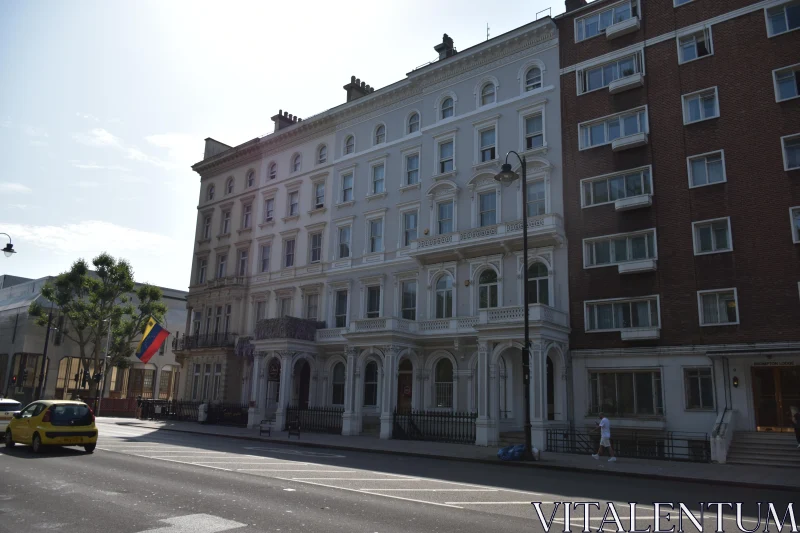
{"x":53,"y":423}
{"x":7,"y":409}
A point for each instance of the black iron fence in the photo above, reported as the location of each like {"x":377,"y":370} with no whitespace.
{"x":228,"y":414}
{"x":209,"y":340}
{"x":439,"y":426}
{"x":316,"y":419}
{"x":670,"y":445}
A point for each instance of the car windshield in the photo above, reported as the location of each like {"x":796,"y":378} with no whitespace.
{"x":10,"y":406}
{"x":68,"y":412}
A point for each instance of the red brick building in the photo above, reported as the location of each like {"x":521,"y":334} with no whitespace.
{"x":681,"y":143}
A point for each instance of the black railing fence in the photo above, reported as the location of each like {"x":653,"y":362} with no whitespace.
{"x":671,"y":445}
{"x":438,"y":426}
{"x":184,"y":410}
{"x":316,"y":419}
{"x":228,"y":414}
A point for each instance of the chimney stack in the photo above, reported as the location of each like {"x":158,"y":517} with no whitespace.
{"x":357,"y":89}
{"x":572,"y":5}
{"x":445,"y":48}
{"x":283,"y":120}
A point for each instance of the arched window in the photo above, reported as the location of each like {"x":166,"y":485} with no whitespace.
{"x":371,"y":384}
{"x":443,"y":395}
{"x":413,"y":123}
{"x":349,"y":145}
{"x":322,"y":154}
{"x":487,"y":289}
{"x":251,"y":179}
{"x":444,"y":297}
{"x":210,"y":193}
{"x":447,"y":108}
{"x":337,"y":387}
{"x":533,"y":79}
{"x":538,"y":284}
{"x":229,"y":186}
{"x":380,"y":134}
{"x":296,"y":163}
{"x":273,"y":171}
{"x":488,"y":94}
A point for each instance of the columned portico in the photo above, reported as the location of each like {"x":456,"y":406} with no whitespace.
{"x":389,"y":396}
{"x":349,"y":427}
{"x":285,"y":391}
{"x":256,"y":410}
{"x":483,"y":428}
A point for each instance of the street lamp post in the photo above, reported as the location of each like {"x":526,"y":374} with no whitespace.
{"x":506,"y":176}
{"x":9,"y":248}
{"x":40,"y":389}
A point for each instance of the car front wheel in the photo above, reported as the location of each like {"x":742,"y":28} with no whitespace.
{"x":89,"y":447}
{"x":36,"y":445}
{"x":9,"y":440}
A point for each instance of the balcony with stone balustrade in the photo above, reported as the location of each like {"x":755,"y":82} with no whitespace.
{"x":543,"y":230}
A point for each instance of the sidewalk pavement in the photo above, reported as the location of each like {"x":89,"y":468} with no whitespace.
{"x":760,"y":477}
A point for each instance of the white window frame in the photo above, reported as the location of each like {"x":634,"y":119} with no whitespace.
{"x":297,"y":163}
{"x":250,"y":179}
{"x":524,"y":114}
{"x":341,"y":196}
{"x":581,"y":75}
{"x":454,"y":292}
{"x":795,"y":228}
{"x":272,"y":171}
{"x":481,"y":147}
{"x":588,"y":303}
{"x":320,"y":159}
{"x":699,"y":94}
{"x":336,"y":289}
{"x":606,"y":177}
{"x":438,"y":141}
{"x":284,"y":256}
{"x":307,"y":307}
{"x":479,"y":213}
{"x":247,"y":215}
{"x":482,"y":87}
{"x":267,"y":217}
{"x":435,"y":218}
{"x":261,"y":246}
{"x":230,"y":186}
{"x":440,"y":109}
{"x":402,"y":279}
{"x":374,"y":165}
{"x":311,"y":237}
{"x":339,"y":227}
{"x":375,"y":141}
{"x":700,"y":295}
{"x":525,"y":88}
{"x":498,"y":284}
{"x":408,"y":122}
{"x":227,"y":215}
{"x":369,"y":218}
{"x":592,"y":240}
{"x":709,"y":36}
{"x":202,"y":270}
{"x":208,"y":219}
{"x":411,"y":153}
{"x":401,"y":234}
{"x":696,"y":238}
{"x":684,"y":371}
{"x":210,"y":192}
{"x":365,"y":307}
{"x":705,"y":156}
{"x":289,"y":203}
{"x":603,"y":120}
{"x":284,"y":301}
{"x":795,"y":69}
{"x":609,"y":7}
{"x":345,"y":143}
{"x":222,"y":265}
{"x":766,"y":18}
{"x":315,"y":184}
{"x":783,"y":150}
{"x":679,"y":3}
{"x":243,"y":256}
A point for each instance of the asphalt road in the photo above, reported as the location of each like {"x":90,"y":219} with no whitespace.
{"x":141,"y":480}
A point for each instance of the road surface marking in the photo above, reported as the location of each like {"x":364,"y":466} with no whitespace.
{"x":372,"y":493}
{"x":431,"y":490}
{"x":351,"y":479}
{"x":196,"y":523}
{"x":295,"y":452}
{"x":284,"y":470}
{"x":235,"y":462}
{"x":492,"y":503}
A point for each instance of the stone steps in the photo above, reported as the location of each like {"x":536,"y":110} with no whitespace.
{"x":764,"y":448}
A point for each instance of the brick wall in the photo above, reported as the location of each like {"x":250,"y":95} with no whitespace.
{"x":764,"y":265}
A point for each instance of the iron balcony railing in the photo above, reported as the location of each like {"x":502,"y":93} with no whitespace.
{"x":208,"y":340}
{"x":669,"y":445}
{"x":436,"y":426}
{"x":315,"y":419}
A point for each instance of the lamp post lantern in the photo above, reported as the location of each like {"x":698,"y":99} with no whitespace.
{"x":9,"y":248}
{"x":506,"y":176}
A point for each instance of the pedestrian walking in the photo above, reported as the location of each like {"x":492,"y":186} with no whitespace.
{"x":605,"y":438}
{"x":796,"y":423}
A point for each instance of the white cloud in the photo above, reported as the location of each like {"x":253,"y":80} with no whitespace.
{"x":14,"y":187}
{"x":97,"y":137}
{"x":127,"y":178}
{"x":38,"y":143}
{"x":87,"y":116}
{"x":89,"y":238}
{"x":91,"y":165}
{"x":20,"y":206}
{"x":6,"y":123}
{"x":87,"y":184}
{"x":185,"y":150}
{"x":137,"y":155}
{"x":30,"y":131}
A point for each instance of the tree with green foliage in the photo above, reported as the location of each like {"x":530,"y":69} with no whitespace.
{"x":94,"y":301}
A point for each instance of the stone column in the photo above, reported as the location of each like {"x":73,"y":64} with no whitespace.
{"x":312,"y":387}
{"x":494,"y":404}
{"x":389,"y":392}
{"x":255,"y":413}
{"x":538,"y":388}
{"x":285,"y":392}
{"x":349,"y":392}
{"x":482,"y":424}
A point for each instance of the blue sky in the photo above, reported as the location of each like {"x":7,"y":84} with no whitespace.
{"x":104,"y":106}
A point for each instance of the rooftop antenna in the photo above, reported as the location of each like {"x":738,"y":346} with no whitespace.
{"x":487,"y":31}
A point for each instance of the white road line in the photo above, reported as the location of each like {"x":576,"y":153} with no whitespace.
{"x":236,"y":463}
{"x":351,"y":479}
{"x":429,"y":490}
{"x":491,"y":503}
{"x":372,"y":493}
{"x":284,"y":470}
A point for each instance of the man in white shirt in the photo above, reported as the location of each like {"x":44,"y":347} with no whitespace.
{"x":605,"y":438}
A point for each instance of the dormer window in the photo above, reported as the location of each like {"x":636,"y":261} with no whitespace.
{"x":322,"y":154}
{"x":488,"y":94}
{"x":380,"y":134}
{"x":413,"y":123}
{"x":296,"y":161}
{"x":349,"y":145}
{"x":447,"y":108}
{"x":273,"y":171}
{"x":533,"y":79}
{"x":229,"y":186}
{"x":210,"y":193}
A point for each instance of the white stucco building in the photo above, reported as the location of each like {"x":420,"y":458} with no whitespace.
{"x":379,"y":225}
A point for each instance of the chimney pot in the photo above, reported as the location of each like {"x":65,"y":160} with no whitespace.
{"x":358,"y":81}
{"x":572,"y":5}
{"x":352,"y":79}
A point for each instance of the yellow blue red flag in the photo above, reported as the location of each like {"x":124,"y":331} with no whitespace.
{"x":154,"y":336}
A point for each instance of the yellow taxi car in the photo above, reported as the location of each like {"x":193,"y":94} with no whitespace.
{"x":53,"y":423}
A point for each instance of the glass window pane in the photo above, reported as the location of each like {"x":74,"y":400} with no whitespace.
{"x":606,"y":19}
{"x":625,"y":392}
{"x":633,"y":185}
{"x":620,"y":249}
{"x":626,"y":67}
{"x":533,"y":124}
{"x":644,"y":393}
{"x":446,"y":150}
{"x":617,"y":188}
{"x":706,"y":388}
{"x":609,"y":73}
{"x":641,"y":314}
{"x":777,"y":20}
{"x":693,"y":107}
{"x":600,"y":189}
{"x":544,"y":292}
{"x":699,"y":171}
{"x":631,"y":124}
{"x":704,"y":238}
{"x":487,"y":138}
{"x":613,"y":129}
{"x":710,"y":309}
{"x":721,"y":235}
{"x":594,"y":79}
{"x":605,"y":316}
{"x":622,"y":315}
{"x":727,"y":305}
{"x":639,"y":247}
{"x":793,"y":16}
{"x":587,"y":194}
{"x":602,"y":253}
{"x":597,"y":134}
{"x":709,"y":106}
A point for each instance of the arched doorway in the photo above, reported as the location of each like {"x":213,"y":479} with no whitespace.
{"x":404,"y":385}
{"x":302,"y":384}
{"x":551,"y":390}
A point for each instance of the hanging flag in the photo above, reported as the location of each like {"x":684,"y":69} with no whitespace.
{"x":154,"y":336}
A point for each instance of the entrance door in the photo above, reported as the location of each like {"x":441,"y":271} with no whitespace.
{"x":404,"y":382}
{"x":305,"y":384}
{"x":775,"y":391}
